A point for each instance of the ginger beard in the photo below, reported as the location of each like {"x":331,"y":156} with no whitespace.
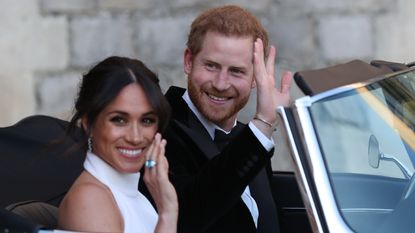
{"x":219,"y":114}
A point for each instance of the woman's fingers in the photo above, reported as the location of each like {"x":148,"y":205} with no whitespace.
{"x":155,"y":154}
{"x":163,"y":165}
{"x":157,"y":180}
{"x":152,"y":153}
{"x":159,"y":173}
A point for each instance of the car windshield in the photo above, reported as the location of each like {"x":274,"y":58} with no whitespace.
{"x":367,"y":139}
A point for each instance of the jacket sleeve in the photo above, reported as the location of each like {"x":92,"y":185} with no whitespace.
{"x":207,"y":189}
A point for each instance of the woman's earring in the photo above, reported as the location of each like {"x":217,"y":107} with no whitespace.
{"x":89,"y":144}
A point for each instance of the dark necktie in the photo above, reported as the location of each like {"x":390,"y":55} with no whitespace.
{"x":222,"y":139}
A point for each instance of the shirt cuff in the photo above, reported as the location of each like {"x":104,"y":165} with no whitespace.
{"x":267,"y":143}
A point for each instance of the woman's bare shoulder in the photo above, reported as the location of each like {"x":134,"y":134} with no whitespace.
{"x":89,"y":206}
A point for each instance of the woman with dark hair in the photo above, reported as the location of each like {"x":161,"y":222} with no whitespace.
{"x":122,"y":112}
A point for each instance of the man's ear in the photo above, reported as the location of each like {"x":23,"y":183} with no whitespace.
{"x":187,"y":61}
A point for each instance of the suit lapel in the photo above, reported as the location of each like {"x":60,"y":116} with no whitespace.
{"x":185,"y":119}
{"x":201,"y":138}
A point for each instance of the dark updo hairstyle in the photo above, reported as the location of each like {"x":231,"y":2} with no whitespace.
{"x":103,"y":83}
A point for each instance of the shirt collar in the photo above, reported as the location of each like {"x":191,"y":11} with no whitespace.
{"x":209,"y":126}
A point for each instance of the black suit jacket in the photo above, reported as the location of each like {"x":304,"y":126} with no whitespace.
{"x":209,"y":183}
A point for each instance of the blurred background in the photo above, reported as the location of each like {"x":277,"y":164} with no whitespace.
{"x":46,"y":45}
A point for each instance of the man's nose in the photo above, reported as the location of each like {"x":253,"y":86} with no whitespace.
{"x":221,"y":81}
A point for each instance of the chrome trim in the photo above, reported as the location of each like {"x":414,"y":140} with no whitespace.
{"x":301,"y":177}
{"x":303,"y":102}
{"x":333,"y":218}
{"x":307,"y":101}
{"x":405,"y":171}
{"x":364,"y":210}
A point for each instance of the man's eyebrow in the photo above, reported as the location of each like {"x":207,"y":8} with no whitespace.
{"x":231,"y":67}
{"x":239,"y":67}
{"x":209,"y":61}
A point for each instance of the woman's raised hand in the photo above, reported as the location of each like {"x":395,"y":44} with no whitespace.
{"x":157,"y":181}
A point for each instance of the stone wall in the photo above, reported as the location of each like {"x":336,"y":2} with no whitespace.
{"x":46,"y":45}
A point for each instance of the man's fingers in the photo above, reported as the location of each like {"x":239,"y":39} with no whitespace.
{"x":259,"y":65}
{"x":270,"y":65}
{"x":286,"y":81}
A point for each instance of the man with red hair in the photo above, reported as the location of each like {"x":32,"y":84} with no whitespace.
{"x":223,"y":185}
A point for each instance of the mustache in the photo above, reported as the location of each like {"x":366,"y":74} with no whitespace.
{"x":213,"y":91}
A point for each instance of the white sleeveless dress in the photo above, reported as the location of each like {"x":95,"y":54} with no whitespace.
{"x":138,"y":213}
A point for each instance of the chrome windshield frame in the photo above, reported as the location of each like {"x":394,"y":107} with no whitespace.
{"x":304,"y":185}
{"x":317,"y":167}
{"x":316,"y":164}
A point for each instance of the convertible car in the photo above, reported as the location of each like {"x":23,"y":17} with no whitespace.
{"x":352,"y":141}
{"x":352,"y":145}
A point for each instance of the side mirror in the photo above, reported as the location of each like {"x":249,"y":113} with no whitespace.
{"x":373,"y":152}
{"x":375,"y":155}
